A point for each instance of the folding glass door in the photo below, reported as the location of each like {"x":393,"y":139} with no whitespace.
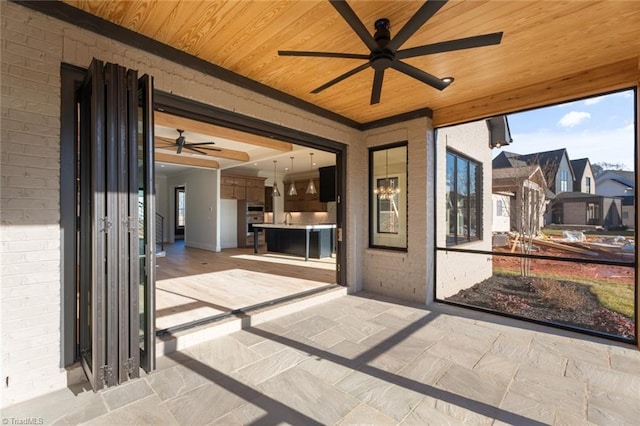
{"x":115,"y":238}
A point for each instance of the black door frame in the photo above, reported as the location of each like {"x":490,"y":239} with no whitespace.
{"x":71,"y":78}
{"x":175,"y":105}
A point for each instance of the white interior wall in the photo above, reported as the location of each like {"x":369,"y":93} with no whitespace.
{"x":162,"y":203}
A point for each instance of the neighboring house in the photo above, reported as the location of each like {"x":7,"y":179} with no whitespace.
{"x":619,"y":183}
{"x":584,"y":180}
{"x":555,"y":166}
{"x":517,"y":193}
{"x":578,"y":208}
{"x":568,"y":181}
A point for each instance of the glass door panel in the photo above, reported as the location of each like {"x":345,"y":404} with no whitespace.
{"x":146,"y":233}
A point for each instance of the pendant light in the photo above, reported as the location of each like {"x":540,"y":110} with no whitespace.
{"x":387,"y":190}
{"x":292,"y":188}
{"x":275,"y":192}
{"x":311,"y":187}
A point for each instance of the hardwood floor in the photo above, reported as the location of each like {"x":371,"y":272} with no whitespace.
{"x":192,"y":284}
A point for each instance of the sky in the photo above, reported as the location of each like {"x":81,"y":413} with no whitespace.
{"x":599,"y":128}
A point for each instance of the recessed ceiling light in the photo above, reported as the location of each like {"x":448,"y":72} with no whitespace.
{"x":255,"y":164}
{"x":448,"y":80}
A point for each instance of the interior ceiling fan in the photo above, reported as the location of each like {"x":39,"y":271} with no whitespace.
{"x":384,"y":49}
{"x":198,"y":147}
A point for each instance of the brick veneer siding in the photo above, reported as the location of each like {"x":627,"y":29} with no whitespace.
{"x":33,"y":48}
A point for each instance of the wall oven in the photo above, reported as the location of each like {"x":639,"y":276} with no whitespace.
{"x":254,"y":214}
{"x":249,"y":213}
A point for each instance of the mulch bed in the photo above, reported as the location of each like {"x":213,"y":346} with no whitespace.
{"x":561,"y":302}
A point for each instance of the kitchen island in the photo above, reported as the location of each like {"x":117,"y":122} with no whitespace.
{"x":315,"y":240}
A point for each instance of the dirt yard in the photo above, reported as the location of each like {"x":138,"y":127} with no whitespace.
{"x":553,"y":296}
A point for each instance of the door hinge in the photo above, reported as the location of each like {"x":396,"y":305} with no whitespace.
{"x":106,"y":373}
{"x":78,"y":222}
{"x":106,"y":224}
{"x":338,"y":199}
{"x":338,"y":267}
{"x":130,"y":224}
{"x":339,"y":230}
{"x":130,"y":366}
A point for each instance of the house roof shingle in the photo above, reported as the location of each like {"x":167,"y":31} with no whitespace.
{"x":579,"y":166}
{"x":549,"y":161}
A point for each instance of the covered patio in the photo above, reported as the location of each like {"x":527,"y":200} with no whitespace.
{"x":363,"y":359}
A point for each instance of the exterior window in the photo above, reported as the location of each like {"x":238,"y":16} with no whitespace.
{"x":587,"y":185}
{"x":592,"y":213}
{"x":501,"y":209}
{"x":388,"y":195}
{"x":180,"y":205}
{"x":464,"y":211}
{"x":564,"y":181}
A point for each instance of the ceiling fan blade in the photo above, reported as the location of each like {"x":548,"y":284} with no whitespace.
{"x":354,"y":22}
{"x":418,"y":74}
{"x":191,"y":145}
{"x":451,"y":45}
{"x":200,"y":143}
{"x":199,"y":151}
{"x":322,"y":54}
{"x":376,"y":90}
{"x":342,"y":77}
{"x":426,"y":11}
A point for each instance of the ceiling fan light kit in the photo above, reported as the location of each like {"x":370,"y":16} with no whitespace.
{"x":384,"y":53}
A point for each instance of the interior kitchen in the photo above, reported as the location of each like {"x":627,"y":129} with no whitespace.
{"x":255,"y":222}
{"x":287,"y":215}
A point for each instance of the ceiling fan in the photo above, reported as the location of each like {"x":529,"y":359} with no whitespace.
{"x":193,"y":146}
{"x":384,"y":49}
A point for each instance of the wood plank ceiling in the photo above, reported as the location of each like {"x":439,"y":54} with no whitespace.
{"x":544,"y":43}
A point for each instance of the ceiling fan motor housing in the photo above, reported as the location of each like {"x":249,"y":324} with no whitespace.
{"x":382,"y":58}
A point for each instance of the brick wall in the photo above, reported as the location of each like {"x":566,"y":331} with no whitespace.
{"x":29,"y":235}
{"x":32,"y":48}
{"x":402,"y":274}
{"x":457,"y":271}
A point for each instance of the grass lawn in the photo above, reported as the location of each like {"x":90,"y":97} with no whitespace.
{"x":612,"y":294}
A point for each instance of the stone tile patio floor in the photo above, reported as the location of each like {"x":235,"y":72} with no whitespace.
{"x":362,"y":359}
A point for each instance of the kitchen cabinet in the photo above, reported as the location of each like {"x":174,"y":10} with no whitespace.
{"x":243,"y":188}
{"x":254,"y":189}
{"x":327,"y":187}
